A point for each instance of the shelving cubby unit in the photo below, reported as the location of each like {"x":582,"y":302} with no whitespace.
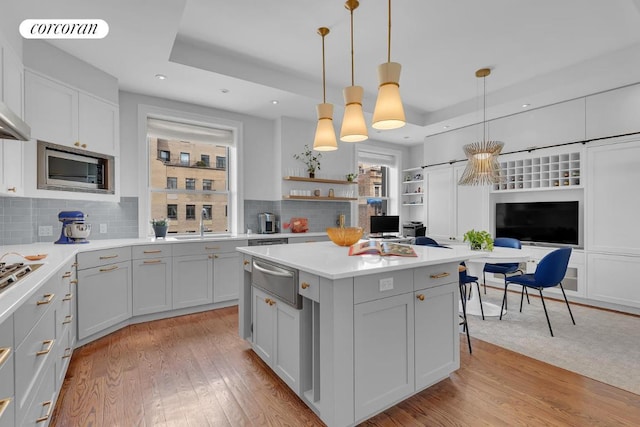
{"x":545,"y":172}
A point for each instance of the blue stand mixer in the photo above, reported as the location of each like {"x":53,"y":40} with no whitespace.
{"x":74,"y":228}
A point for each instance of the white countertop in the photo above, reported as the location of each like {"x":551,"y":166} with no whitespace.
{"x":57,"y":255}
{"x":328,"y":260}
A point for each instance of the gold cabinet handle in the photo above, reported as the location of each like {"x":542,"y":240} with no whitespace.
{"x":68,"y":319}
{"x":49,"y":346}
{"x":67,"y":353}
{"x":269,"y":301}
{"x":152,"y":261}
{"x":4,"y":403}
{"x":47,"y":299}
{"x":155,"y":251}
{"x":246,"y":262}
{"x":75,"y":264}
{"x":77,"y":143}
{"x":304,"y":285}
{"x":439,"y":275}
{"x":212,"y":247}
{"x":84,"y":145}
{"x":75,"y":282}
{"x":213,"y":256}
{"x":11,"y":189}
{"x":420,"y":297}
{"x":108,"y":256}
{"x":67,"y":297}
{"x":4,"y":355}
{"x":48,"y":403}
{"x":66,"y":275}
{"x":113,"y":267}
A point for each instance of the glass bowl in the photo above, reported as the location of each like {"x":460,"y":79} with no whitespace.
{"x":345,"y":236}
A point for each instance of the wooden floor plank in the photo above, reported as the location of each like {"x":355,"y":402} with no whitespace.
{"x":195,"y":371}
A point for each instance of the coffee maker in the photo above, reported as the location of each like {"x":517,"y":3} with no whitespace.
{"x":74,"y":227}
{"x":266,"y":223}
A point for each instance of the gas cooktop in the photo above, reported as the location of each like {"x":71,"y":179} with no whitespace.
{"x":11,"y":273}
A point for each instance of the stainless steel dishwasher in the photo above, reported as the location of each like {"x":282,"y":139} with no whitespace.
{"x":277,"y":280}
{"x":269,"y":241}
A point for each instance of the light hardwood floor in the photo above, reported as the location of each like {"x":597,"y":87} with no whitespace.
{"x":195,"y":371}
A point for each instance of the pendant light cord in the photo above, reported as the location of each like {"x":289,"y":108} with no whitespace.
{"x":484,"y":108}
{"x":324,"y":89}
{"x":352,"y":66}
{"x":389,"y":36}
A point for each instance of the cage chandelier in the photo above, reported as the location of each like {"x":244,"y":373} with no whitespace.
{"x":482,"y":166}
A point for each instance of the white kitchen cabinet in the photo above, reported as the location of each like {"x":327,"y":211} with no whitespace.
{"x":612,"y":204}
{"x":277,"y":336}
{"x":610,"y":278}
{"x":439,"y":185}
{"x":11,"y":176}
{"x":104,"y":297}
{"x":226,"y":276}
{"x":152,"y":278}
{"x":205,"y":272}
{"x":7,"y":350}
{"x":11,"y":152}
{"x":471,"y":205}
{"x":454,"y":209}
{"x":192,"y":280}
{"x":63,"y":115}
{"x":152,"y":283}
{"x":436,"y":340}
{"x":384,"y":351}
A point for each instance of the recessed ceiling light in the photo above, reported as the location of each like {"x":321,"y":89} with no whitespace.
{"x":274,"y":101}
{"x":445,"y":127}
{"x":406,"y":137}
{"x":161,"y":77}
{"x":224,"y":90}
{"x":525,"y":105}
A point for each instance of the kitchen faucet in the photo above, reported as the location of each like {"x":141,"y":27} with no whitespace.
{"x":203,"y":216}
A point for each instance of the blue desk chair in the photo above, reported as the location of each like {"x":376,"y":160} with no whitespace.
{"x":549,"y":273}
{"x":426,"y":241}
{"x":504,"y":268}
{"x":465,"y":278}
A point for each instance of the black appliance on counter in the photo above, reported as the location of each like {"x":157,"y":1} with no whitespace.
{"x":413,"y":229}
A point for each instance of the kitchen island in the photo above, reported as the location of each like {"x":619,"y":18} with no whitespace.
{"x":368,"y":332}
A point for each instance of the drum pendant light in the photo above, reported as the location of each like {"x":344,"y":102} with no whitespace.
{"x":482,"y":166}
{"x":354,"y":128}
{"x":389,"y":113}
{"x":325,"y":138}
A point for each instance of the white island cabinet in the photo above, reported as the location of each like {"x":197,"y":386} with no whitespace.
{"x":372,"y":331}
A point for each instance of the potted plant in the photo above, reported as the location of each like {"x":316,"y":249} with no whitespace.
{"x":310,"y":159}
{"x":479,"y":240}
{"x":351,"y":176}
{"x":160,"y":227}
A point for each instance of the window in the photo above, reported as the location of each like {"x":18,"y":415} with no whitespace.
{"x":204,"y":158}
{"x":172,"y":211}
{"x":377,"y":192}
{"x":209,"y":211}
{"x":221,"y":162}
{"x":191,"y":212}
{"x":185,"y":159}
{"x":194,"y":186}
{"x":164,"y":155}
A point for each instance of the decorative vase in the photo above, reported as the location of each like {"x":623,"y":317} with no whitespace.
{"x":312,"y":174}
{"x":476,"y":246}
{"x":160,"y":231}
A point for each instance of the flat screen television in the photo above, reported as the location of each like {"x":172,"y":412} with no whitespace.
{"x":539,"y":222}
{"x":384,"y":224}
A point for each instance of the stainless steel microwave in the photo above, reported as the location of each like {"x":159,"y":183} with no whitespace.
{"x":69,"y":169}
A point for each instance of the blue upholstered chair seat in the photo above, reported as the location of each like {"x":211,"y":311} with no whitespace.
{"x":525,"y":280}
{"x":501,"y":268}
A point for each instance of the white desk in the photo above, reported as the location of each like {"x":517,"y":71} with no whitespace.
{"x":475,"y":266}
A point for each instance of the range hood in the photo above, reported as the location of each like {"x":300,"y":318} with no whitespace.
{"x":12,"y":126}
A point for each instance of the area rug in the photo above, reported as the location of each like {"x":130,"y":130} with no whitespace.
{"x":602,"y":345}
